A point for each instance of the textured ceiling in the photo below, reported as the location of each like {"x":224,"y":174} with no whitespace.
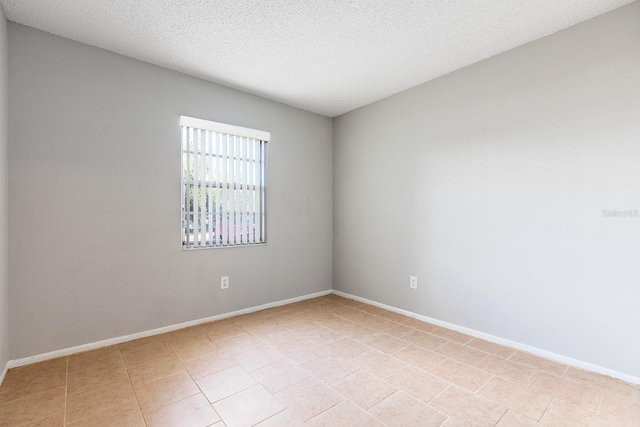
{"x":325,"y":56}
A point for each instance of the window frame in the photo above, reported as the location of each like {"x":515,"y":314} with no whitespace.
{"x":238,"y":210}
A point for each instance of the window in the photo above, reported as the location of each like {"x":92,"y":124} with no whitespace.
{"x":223,"y":184}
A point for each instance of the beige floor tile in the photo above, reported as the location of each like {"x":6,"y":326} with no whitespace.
{"x":424,"y":339}
{"x":32,"y":408}
{"x":329,"y":368}
{"x":566,"y":393}
{"x":508,"y":370}
{"x":280,"y":375}
{"x":419,"y":357}
{"x":462,"y":353}
{"x":21,"y":383}
{"x":56,"y":420}
{"x":452,"y":335}
{"x":89,"y":378}
{"x":334,"y":322}
{"x":40,"y":367}
{"x":221,"y":329}
{"x":140,"y":342}
{"x":158,"y":369}
{"x":347,"y":312}
{"x":390,"y":315}
{"x":418,"y":383}
{"x":364,"y":389}
{"x":225,"y":383}
{"x":303,"y":351}
{"x":347,"y":348}
{"x":308,"y":398}
{"x":124,"y":417}
{"x":248,"y":407}
{"x":560,"y":415}
{"x":526,"y":388}
{"x":165,"y":391}
{"x":385,"y":343}
{"x":402,"y":410}
{"x":208,"y":364}
{"x":264,"y":328}
{"x":357,"y":332}
{"x":303,"y":325}
{"x":318,"y":313}
{"x":394,"y":329}
{"x":257,"y":358}
{"x":111,"y":399}
{"x":181,"y":335}
{"x":305,"y":321}
{"x":419,"y":324}
{"x":193,"y":348}
{"x":94,"y":358}
{"x":147,"y":352}
{"x":282,"y":418}
{"x":491,"y":348}
{"x":238,"y":343}
{"x":371,"y":309}
{"x":322,"y":336}
{"x":602,"y":382}
{"x":461,"y":374}
{"x":468,"y":408}
{"x":344,"y":414}
{"x":324,"y":317}
{"x":283,"y":339}
{"x":452,"y":422}
{"x":194,"y":411}
{"x":625,"y":411}
{"x":513,"y":419}
{"x":517,"y":397}
{"x":378,"y":364}
{"x":538,"y":363}
{"x":371,"y":321}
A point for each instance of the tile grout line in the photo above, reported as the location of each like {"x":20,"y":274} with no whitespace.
{"x":344,"y":398}
{"x":546,"y":409}
{"x":126,"y":368}
{"x":592,"y":385}
{"x":501,"y":416}
{"x":599,"y":401}
{"x":487,"y":382}
{"x":322,"y":412}
{"x":287,"y":359}
{"x":66,"y":390}
{"x":386,"y":398}
{"x":436,"y":409}
{"x":192,"y":379}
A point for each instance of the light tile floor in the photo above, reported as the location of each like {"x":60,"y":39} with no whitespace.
{"x":328,"y":361}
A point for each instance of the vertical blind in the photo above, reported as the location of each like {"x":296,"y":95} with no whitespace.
{"x":223,"y":184}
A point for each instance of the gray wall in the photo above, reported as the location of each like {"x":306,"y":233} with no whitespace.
{"x":94,"y":151}
{"x":489,"y":185}
{"x":4,"y":273}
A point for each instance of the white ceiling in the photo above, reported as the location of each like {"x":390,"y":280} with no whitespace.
{"x":325,"y":56}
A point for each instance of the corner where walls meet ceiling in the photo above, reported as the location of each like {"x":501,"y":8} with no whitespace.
{"x":326,"y":56}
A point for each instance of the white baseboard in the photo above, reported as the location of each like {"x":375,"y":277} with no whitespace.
{"x":125,"y":338}
{"x":488,"y":337}
{"x":4,"y":373}
{"x":502,"y":341}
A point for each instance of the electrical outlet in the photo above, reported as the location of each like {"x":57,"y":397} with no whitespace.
{"x":413,"y":282}
{"x":224,"y":282}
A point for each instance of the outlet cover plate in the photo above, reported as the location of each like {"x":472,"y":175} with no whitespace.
{"x":413,"y":282}
{"x":224,"y":282}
